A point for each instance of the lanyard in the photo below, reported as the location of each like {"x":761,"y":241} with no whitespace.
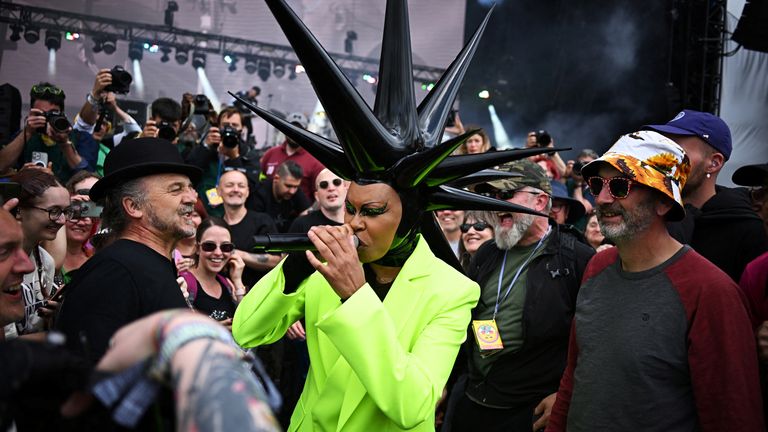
{"x":517,"y":274}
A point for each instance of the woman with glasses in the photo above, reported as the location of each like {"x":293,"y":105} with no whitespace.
{"x":474,"y":232}
{"x":79,"y":230}
{"x":210,"y":292}
{"x":43,"y":209}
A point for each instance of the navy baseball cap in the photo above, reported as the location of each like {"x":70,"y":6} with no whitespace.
{"x":711,"y":128}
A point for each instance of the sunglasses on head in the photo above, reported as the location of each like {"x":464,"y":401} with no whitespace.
{"x":324,"y":184}
{"x":40,"y":89}
{"x":618,"y":187}
{"x":478,"y":226}
{"x":210,"y":246}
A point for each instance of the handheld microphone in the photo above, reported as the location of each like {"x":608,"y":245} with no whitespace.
{"x":287,"y":243}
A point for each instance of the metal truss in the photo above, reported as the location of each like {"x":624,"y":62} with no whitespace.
{"x":181,"y":39}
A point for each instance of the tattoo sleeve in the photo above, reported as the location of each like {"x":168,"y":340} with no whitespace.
{"x":216,"y":391}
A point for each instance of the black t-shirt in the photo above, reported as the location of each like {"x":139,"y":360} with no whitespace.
{"x":302,"y":224}
{"x":217,"y":308}
{"x":122,"y":283}
{"x":282,"y":212}
{"x":254,"y":223}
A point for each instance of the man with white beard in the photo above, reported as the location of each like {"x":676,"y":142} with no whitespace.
{"x":529,"y":277}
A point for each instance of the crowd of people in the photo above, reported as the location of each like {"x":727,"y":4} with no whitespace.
{"x":617,"y":291}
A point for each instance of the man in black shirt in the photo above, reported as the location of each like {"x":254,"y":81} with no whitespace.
{"x":331,"y":191}
{"x":244,"y":224}
{"x":148,"y":196}
{"x":281,"y":197}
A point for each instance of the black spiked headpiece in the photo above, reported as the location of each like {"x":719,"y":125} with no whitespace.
{"x":397,"y":143}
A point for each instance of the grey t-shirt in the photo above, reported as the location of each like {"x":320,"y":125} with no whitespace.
{"x":632,"y":372}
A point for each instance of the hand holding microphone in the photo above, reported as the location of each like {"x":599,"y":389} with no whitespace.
{"x":342,"y":268}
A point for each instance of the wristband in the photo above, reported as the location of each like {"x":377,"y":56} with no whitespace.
{"x":177,"y":338}
{"x":91,"y":100}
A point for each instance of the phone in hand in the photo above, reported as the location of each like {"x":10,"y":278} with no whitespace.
{"x":40,"y":159}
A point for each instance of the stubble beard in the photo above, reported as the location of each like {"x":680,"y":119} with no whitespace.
{"x":634,"y":222}
{"x":176,"y":231}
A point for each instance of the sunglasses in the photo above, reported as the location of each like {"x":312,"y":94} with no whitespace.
{"x":478,"y":226}
{"x":618,"y":187}
{"x":508,"y":194}
{"x":210,"y":246}
{"x":324,"y":184}
{"x":40,"y":89}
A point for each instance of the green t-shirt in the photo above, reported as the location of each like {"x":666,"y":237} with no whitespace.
{"x":509,"y":319}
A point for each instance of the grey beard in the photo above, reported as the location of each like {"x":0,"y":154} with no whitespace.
{"x":507,"y":238}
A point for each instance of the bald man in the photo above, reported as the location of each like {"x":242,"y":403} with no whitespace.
{"x":330,"y":193}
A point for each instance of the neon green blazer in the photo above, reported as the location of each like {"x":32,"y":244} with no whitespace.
{"x":375,"y":366}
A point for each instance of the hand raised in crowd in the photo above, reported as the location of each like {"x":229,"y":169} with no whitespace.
{"x":150,"y":129}
{"x":236,"y":266}
{"x":296,"y":332}
{"x":103,"y":79}
{"x":110,"y":100}
{"x":35,"y":120}
{"x":213,"y":139}
{"x":343,"y":270}
{"x":33,"y":165}
{"x":49,"y":308}
{"x":184,"y":264}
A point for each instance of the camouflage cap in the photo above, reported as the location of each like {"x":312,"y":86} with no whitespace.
{"x":532,"y":175}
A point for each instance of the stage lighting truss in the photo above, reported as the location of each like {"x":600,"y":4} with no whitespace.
{"x":52,"y":40}
{"x":266,"y":59}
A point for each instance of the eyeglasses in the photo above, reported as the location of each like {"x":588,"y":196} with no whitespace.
{"x":508,"y":194}
{"x":324,"y":184}
{"x":210,"y":246}
{"x":40,"y":89}
{"x":478,"y":226}
{"x":618,"y":187}
{"x":558,"y":206}
{"x":55,"y":213}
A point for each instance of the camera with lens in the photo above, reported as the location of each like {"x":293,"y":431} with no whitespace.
{"x":577,"y":166}
{"x":166,"y":131}
{"x":543,"y":138}
{"x":83,"y":209}
{"x":201,"y":104}
{"x":121,"y":80}
{"x":56,"y":119}
{"x":230,"y":137}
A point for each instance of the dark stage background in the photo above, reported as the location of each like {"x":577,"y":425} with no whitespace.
{"x":585,"y":70}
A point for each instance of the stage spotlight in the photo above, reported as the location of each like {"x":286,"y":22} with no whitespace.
{"x":135,"y":51}
{"x":166,"y":54}
{"x":484,"y":94}
{"x":97,"y":44}
{"x":32,"y":34}
{"x":181,"y":56}
{"x":349,"y":42}
{"x":169,"y":10}
{"x":52,"y":40}
{"x":250,"y":65}
{"x":292,"y":75}
{"x":232,"y":67}
{"x":198,"y":60}
{"x":278,"y":70}
{"x":15,"y":32}
{"x":264,"y":69}
{"x":109,"y":44}
{"x":72,"y":36}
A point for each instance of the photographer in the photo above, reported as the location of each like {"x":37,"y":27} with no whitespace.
{"x":165,"y":120}
{"x":48,"y":138}
{"x":577,"y":187}
{"x":221,"y":151}
{"x":552,"y":163}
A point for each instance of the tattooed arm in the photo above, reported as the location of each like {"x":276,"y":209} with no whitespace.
{"x":259,"y":261}
{"x":215,"y":391}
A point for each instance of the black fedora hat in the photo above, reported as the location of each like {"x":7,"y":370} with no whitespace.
{"x":575,"y":208}
{"x":138,"y":158}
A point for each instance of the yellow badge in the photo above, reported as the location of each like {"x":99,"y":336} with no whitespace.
{"x":487,"y":336}
{"x":213,"y":197}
